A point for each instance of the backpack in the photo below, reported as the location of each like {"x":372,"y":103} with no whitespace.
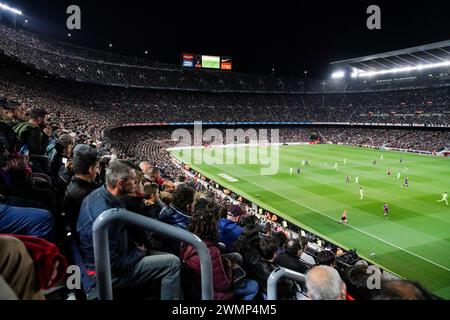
{"x":21,"y":128}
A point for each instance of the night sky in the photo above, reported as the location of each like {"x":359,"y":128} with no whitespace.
{"x":258,"y":36}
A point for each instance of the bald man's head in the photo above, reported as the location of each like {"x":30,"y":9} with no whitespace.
{"x":325,"y":283}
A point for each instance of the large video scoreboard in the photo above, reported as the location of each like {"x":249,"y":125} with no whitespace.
{"x":201,"y":61}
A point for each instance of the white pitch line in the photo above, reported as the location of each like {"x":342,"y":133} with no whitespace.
{"x":360,"y":230}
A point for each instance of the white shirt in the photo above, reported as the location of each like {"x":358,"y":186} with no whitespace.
{"x":307,"y":258}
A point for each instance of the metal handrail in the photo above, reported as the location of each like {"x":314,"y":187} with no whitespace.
{"x":101,"y":248}
{"x":275,"y":277}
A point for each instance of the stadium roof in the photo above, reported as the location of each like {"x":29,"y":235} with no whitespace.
{"x":430,"y":54}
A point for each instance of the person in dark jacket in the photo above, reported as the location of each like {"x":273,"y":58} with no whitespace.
{"x":62,"y":149}
{"x":229,"y":228}
{"x":35,"y":133}
{"x":12,"y":114}
{"x":82,"y":183}
{"x":204,"y":225}
{"x":261,"y":267}
{"x":8,"y":121}
{"x":178,"y":212}
{"x":130,"y":265}
{"x":290,"y":259}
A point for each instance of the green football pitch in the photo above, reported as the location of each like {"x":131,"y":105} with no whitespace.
{"x":413,"y":243}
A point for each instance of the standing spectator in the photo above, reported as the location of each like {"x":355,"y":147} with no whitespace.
{"x":62,"y":149}
{"x":82,"y":183}
{"x":35,"y":133}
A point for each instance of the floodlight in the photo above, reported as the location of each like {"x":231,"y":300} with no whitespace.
{"x":8,"y":8}
{"x":338,"y":74}
{"x":404,"y":69}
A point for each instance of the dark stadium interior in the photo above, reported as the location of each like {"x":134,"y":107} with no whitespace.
{"x":80,"y":120}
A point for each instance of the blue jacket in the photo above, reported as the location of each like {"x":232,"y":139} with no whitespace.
{"x":229,"y":231}
{"x":122,"y":257}
{"x":171,"y":215}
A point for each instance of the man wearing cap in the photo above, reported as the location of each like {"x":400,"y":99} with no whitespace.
{"x":229,"y":229}
{"x":85,"y":164}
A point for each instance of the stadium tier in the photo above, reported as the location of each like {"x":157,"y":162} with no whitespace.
{"x":342,"y":146}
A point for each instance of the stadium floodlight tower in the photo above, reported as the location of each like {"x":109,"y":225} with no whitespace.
{"x":13,"y":11}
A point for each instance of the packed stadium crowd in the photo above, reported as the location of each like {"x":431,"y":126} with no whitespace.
{"x":121,"y":106}
{"x":38,"y":186}
{"x":106,"y":68}
{"x":94,"y":66}
{"x":65,"y":158}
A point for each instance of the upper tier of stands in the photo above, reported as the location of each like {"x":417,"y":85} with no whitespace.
{"x":106,"y":68}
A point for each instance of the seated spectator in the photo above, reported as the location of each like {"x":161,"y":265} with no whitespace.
{"x":25,"y":221}
{"x":326,"y":258}
{"x":151,"y":201}
{"x":51,"y":266}
{"x":82,"y":183}
{"x":178,"y":212}
{"x":357,"y":279}
{"x":304,"y":256}
{"x":130,"y":265}
{"x":402,"y":290}
{"x":247,"y":245}
{"x":181,"y":180}
{"x":18,"y":269}
{"x":279,"y":234}
{"x":145,"y":166}
{"x":229,"y":229}
{"x":261,"y":268}
{"x":248,"y":220}
{"x":290,"y":258}
{"x":325,"y":283}
{"x":204,"y":225}
{"x":155,"y":176}
{"x":6,"y":293}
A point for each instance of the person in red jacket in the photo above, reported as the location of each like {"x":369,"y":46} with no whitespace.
{"x":204,"y":225}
